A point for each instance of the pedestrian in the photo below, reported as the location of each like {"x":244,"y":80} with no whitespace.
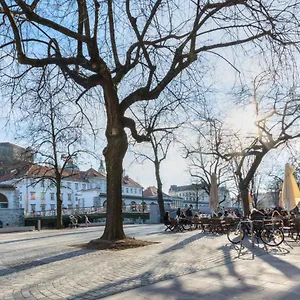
{"x":178,"y":213}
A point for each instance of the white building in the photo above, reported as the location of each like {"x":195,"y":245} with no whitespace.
{"x":197,"y":197}
{"x":33,"y":189}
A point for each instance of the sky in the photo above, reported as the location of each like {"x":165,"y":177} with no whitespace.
{"x":173,"y":170}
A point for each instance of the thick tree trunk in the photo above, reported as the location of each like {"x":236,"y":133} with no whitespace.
{"x":114,"y":155}
{"x":160,"y":198}
{"x":59,"y":222}
{"x":245,"y":200}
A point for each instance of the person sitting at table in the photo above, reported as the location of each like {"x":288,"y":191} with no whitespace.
{"x":295,"y":210}
{"x":256,"y":214}
{"x":188,"y":212}
{"x":231,"y":214}
{"x":238,"y":214}
{"x":196,"y":220}
{"x":182,"y":215}
{"x":276,"y":214}
{"x":166,"y":218}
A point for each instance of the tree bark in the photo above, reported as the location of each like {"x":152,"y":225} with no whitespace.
{"x":160,"y":198}
{"x":245,"y":200}
{"x":114,"y":153}
{"x":59,"y":222}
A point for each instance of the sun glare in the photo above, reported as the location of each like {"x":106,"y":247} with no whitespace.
{"x":242,"y":120}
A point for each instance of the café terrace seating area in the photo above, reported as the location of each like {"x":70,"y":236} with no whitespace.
{"x":212,"y":225}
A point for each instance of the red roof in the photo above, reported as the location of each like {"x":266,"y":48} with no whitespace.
{"x":151,"y":191}
{"x":131,"y":182}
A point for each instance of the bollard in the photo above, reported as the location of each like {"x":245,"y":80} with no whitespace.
{"x":39,"y":225}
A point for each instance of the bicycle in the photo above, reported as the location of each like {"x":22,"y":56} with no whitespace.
{"x":269,"y":234}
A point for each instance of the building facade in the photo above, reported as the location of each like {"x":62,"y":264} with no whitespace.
{"x":197,"y":197}
{"x":33,"y":189}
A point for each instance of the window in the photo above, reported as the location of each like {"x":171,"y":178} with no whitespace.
{"x":32,"y":195}
{"x":32,"y":207}
{"x":52,"y":196}
{"x":42,"y":183}
{"x":42,"y":196}
{"x":126,"y":190}
{"x":52,"y":206}
{"x":68,"y":185}
{"x":43,"y":207}
{"x":131,"y":191}
{"x":70,"y":206}
{"x":84,"y":186}
{"x":76,"y":186}
{"x":69,"y":197}
{"x":135,"y":191}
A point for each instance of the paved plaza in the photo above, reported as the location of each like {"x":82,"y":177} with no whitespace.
{"x":188,"y":265}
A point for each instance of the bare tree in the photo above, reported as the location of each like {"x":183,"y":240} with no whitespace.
{"x":55,"y":131}
{"x":278,"y":120}
{"x":133,"y":50}
{"x":203,"y":157}
{"x":160,"y":121}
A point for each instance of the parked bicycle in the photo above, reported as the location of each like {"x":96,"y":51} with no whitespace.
{"x":269,"y":233}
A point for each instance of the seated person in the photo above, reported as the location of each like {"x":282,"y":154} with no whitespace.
{"x":182,"y":215}
{"x":225,"y":215}
{"x":276,"y":214}
{"x":188,"y":212}
{"x":238,"y":214}
{"x":166,"y":218}
{"x":231,"y":214}
{"x":295,"y":210}
{"x":256,"y":214}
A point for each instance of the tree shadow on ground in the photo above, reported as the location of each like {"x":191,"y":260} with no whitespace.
{"x":8,"y":270}
{"x":183,"y":243}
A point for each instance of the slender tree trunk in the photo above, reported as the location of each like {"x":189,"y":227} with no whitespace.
{"x":59,"y":222}
{"x":160,"y":198}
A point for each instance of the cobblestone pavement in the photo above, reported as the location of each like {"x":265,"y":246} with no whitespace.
{"x":46,"y":265}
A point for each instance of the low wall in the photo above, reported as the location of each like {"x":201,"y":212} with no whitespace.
{"x":11,"y":217}
{"x":17,"y":229}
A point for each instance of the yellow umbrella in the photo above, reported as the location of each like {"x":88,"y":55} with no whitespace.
{"x":213,"y":195}
{"x":290,"y":194}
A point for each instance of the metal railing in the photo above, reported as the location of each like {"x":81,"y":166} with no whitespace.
{"x":87,"y":210}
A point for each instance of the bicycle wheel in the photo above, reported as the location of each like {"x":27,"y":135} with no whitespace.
{"x":272,"y":237}
{"x":235,"y":235}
